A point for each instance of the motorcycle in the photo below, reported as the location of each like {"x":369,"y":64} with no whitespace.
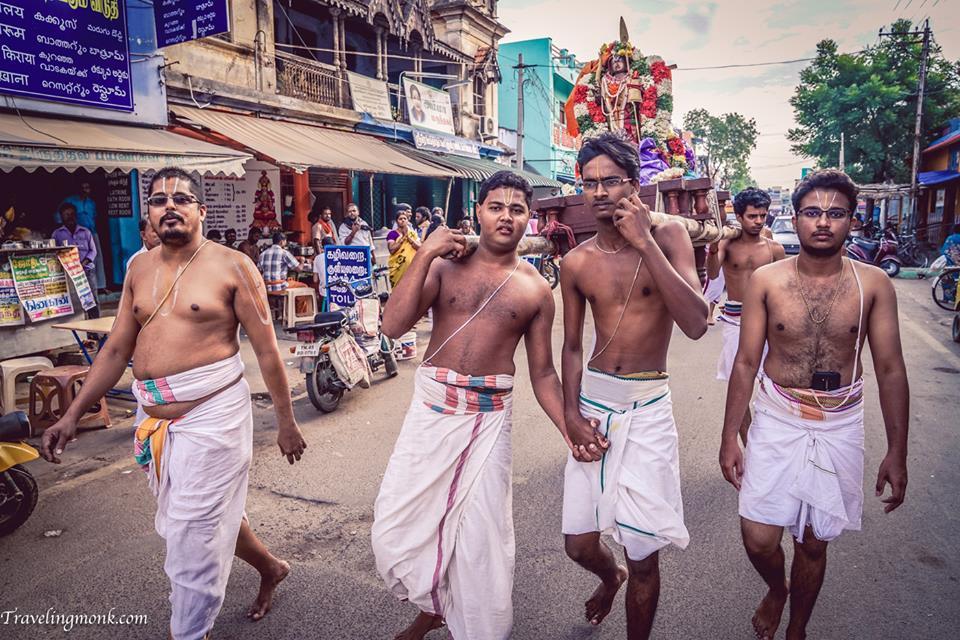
{"x":341,"y":349}
{"x":881,"y":253}
{"x":18,"y":489}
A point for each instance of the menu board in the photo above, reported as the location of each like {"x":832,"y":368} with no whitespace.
{"x":119,"y":195}
{"x":70,"y":261}
{"x":74,"y":52}
{"x":182,"y":20}
{"x":41,"y":285}
{"x":11,"y":313}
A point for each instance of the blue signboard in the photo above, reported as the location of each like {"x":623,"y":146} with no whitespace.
{"x":182,"y":20}
{"x":349,"y":263}
{"x":74,"y":52}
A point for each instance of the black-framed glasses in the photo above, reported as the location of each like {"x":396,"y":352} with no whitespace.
{"x":608,"y":183}
{"x":179,"y":199}
{"x":816,"y":212}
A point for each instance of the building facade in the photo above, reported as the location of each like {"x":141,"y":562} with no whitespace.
{"x":940,"y":176}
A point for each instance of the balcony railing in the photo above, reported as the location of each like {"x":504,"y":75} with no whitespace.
{"x":313,"y":81}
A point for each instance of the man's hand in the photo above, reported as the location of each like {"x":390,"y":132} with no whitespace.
{"x":586,"y":442}
{"x":731,"y":462}
{"x":291,"y":443}
{"x":446,"y":243}
{"x":632,"y":219}
{"x":893,"y":470}
{"x":356,"y":226}
{"x":55,"y":439}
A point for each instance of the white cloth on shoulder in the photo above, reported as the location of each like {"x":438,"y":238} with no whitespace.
{"x":713,"y":290}
{"x":633,"y":493}
{"x":199,"y":478}
{"x":804,"y":460}
{"x":443,"y":532}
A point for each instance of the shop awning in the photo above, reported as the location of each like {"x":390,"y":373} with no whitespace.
{"x":478,"y":169}
{"x":33,"y":143}
{"x":301,"y":146}
{"x":931,"y":178}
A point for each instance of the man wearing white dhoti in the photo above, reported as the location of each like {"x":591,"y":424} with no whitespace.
{"x":803,"y":465}
{"x":639,"y":282}
{"x":736,"y":260}
{"x":443,"y":522}
{"x":180,"y":324}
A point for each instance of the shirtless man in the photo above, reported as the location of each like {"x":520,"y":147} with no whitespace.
{"x":178,"y":318}
{"x":803,"y":466}
{"x":443,"y":523}
{"x":639,"y":281}
{"x":739,"y":259}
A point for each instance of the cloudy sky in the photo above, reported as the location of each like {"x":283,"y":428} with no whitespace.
{"x":695,"y":33}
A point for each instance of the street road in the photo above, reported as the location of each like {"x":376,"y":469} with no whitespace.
{"x":898,"y":578}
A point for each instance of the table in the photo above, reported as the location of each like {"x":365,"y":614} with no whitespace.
{"x":102,"y":327}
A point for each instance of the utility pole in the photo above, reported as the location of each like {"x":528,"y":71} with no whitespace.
{"x":917,"y":131}
{"x":520,"y":67}
{"x":841,"y":151}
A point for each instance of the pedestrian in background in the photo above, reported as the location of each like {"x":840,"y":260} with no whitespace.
{"x":86,"y":209}
{"x":72,"y":233}
{"x":402,"y":243}
{"x":250,"y":245}
{"x":421,"y":221}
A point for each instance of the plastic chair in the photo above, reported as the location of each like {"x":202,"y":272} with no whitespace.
{"x":10,"y":370}
{"x":61,"y":384}
{"x":307,"y":298}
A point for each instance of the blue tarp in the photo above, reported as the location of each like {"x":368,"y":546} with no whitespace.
{"x":930,"y":178}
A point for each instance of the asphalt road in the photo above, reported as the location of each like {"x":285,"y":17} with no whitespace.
{"x":898,"y":578}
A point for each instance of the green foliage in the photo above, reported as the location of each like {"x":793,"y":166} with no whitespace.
{"x":665,"y":103}
{"x":872,"y":98}
{"x":728,"y":141}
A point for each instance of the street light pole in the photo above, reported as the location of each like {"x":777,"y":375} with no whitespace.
{"x":520,"y":67}
{"x":914,"y":191}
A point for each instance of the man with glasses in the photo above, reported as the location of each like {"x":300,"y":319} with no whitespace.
{"x":639,"y":281}
{"x":178,"y":319}
{"x":803,"y":465}
{"x":739,"y":259}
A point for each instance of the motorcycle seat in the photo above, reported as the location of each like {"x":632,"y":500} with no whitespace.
{"x":321,"y":321}
{"x":869,"y":245}
{"x":14,"y":427}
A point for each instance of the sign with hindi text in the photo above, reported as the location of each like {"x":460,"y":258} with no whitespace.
{"x":74,"y":52}
{"x":41,"y":286}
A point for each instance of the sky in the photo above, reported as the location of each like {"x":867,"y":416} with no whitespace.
{"x":697,"y":33}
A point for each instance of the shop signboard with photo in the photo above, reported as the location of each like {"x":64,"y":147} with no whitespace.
{"x":428,"y":108}
{"x":67,"y":52}
{"x":11,"y":312}
{"x":70,"y":261}
{"x":41,"y":285}
{"x":349,"y":263}
{"x":182,"y":20}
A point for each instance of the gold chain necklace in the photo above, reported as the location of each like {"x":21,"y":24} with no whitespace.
{"x":803,"y":296}
{"x":609,"y":253}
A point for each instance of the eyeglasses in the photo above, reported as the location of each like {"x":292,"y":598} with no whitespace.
{"x":816,"y":212}
{"x":608,"y":183}
{"x":179,"y":199}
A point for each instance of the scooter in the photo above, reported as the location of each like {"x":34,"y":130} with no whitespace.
{"x":18,"y":489}
{"x":881,"y":253}
{"x":329,"y":346}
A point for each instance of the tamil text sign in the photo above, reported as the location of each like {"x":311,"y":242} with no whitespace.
{"x":74,"y":52}
{"x":429,"y":141}
{"x":182,"y":20}
{"x":428,"y":108}
{"x":370,"y":96}
{"x":347,"y":263}
{"x":42,"y":286}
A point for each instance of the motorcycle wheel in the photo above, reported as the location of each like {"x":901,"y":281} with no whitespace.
{"x":14,"y":513}
{"x":945,"y":289}
{"x":890,"y":267}
{"x":552,"y":274}
{"x":956,"y":328}
{"x":320,"y":390}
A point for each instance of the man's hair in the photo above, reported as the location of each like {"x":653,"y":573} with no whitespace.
{"x":327,"y":240}
{"x":66,"y":205}
{"x":313,"y":216}
{"x":214,"y":234}
{"x":253,"y":230}
{"x":826,"y":179}
{"x":506,"y":179}
{"x":751,"y":196}
{"x":403,"y":206}
{"x":228,"y":231}
{"x":622,"y":153}
{"x":278,"y":237}
{"x":180,"y":174}
{"x":142,"y":223}
{"x":423,"y":212}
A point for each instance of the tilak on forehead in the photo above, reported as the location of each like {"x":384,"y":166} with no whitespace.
{"x":822,"y":196}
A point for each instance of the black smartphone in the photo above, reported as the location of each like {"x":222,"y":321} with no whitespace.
{"x":825,"y":380}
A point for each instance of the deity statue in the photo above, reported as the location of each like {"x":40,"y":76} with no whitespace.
{"x":264,"y":206}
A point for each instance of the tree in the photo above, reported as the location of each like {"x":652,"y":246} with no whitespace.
{"x":728,"y":140}
{"x":872,"y":98}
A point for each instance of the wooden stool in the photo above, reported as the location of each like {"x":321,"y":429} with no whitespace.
{"x":62,"y":384}
{"x":10,"y":370}
{"x":277,"y":301}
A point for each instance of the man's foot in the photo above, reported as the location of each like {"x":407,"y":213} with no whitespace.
{"x":767,"y":618}
{"x":599,"y":604}
{"x":712,"y":321}
{"x":268,"y":584}
{"x":423,"y":624}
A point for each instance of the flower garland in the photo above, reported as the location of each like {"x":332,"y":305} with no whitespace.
{"x":649,"y":99}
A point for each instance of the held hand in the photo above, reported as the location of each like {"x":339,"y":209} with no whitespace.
{"x":55,"y":439}
{"x":587,"y":443}
{"x":632,"y":219}
{"x":291,"y":443}
{"x":731,"y":463}
{"x":893,"y":471}
{"x":446,"y":243}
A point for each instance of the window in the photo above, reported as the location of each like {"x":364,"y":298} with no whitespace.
{"x":561,"y":114}
{"x":479,"y":96}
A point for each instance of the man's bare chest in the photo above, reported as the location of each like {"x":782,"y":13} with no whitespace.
{"x":193,"y":298}
{"x":743,"y":258}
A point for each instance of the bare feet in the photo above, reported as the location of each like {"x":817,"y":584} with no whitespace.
{"x":712,"y":321}
{"x":599,"y":604}
{"x":767,"y":618}
{"x":423,"y":624}
{"x":268,"y":584}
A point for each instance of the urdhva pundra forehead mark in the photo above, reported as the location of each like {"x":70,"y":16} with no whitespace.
{"x":250,"y":284}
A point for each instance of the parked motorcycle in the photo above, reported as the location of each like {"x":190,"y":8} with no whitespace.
{"x":18,"y":489}
{"x":881,"y":253}
{"x":341,"y":349}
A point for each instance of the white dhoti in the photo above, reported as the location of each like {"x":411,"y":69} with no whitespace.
{"x":713,"y":290}
{"x":804,"y":460}
{"x":198,"y":466}
{"x":633,"y":493}
{"x":443,"y":520}
{"x":730,"y":322}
